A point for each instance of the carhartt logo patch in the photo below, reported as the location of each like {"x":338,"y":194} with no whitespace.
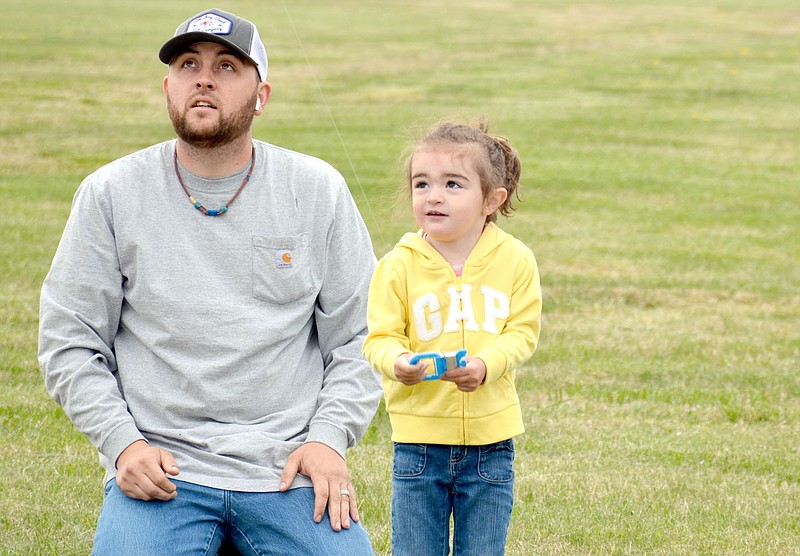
{"x":210,"y":23}
{"x":284,"y":259}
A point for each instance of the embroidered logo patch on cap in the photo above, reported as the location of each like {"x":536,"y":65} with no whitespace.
{"x":284,"y":259}
{"x":210,"y":23}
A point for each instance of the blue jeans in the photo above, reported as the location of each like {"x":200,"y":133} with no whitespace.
{"x":474,"y":484}
{"x":201,"y":518}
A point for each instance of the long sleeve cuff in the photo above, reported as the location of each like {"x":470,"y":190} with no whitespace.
{"x":119,"y":439}
{"x":330,"y":435}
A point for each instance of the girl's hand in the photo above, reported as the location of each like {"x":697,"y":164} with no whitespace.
{"x":407,"y":373}
{"x":468,"y":377}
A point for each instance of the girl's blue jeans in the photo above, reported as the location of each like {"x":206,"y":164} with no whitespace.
{"x":474,"y":484}
{"x":200,"y":518}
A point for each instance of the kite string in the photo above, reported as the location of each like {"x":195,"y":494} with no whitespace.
{"x":333,"y":123}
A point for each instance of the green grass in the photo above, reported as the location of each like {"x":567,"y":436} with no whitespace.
{"x":661,"y":188}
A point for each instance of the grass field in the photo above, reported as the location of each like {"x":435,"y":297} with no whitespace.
{"x":661,"y":186}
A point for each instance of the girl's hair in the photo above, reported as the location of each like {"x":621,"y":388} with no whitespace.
{"x":496,"y":161}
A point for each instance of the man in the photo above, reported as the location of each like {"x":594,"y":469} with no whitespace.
{"x":202,"y":323}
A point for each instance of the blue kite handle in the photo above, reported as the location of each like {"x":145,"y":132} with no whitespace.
{"x":442,"y":362}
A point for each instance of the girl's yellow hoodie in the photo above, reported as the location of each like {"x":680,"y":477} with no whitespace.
{"x":493,"y":310}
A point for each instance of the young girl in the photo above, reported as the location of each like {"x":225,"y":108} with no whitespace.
{"x":460,"y":283}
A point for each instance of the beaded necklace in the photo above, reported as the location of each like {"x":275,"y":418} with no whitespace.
{"x":224,"y":208}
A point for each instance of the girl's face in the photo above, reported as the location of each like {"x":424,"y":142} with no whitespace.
{"x":446,"y":195}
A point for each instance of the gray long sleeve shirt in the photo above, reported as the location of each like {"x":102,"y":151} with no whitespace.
{"x":229,"y":341}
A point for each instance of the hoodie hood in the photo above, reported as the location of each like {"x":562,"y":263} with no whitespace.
{"x":490,"y":241}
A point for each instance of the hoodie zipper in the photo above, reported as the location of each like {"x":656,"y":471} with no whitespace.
{"x":464,"y":398}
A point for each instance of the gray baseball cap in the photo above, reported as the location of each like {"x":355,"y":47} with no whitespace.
{"x":223,"y":28}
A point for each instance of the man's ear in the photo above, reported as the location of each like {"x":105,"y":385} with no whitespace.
{"x":263,"y":96}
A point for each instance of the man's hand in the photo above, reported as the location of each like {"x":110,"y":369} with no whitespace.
{"x":407,"y":373}
{"x":330,"y":478}
{"x":142,"y":472}
{"x":469,"y":377}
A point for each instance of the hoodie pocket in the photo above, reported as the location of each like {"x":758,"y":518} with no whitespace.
{"x":282,"y":271}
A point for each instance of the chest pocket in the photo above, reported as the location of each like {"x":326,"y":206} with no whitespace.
{"x":282,"y":272}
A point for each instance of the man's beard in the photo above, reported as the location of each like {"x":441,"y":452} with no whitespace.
{"x":227,"y":129}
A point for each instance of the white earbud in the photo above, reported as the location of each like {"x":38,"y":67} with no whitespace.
{"x":258,"y":104}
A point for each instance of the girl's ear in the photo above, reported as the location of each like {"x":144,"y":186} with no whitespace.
{"x":495,"y":200}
